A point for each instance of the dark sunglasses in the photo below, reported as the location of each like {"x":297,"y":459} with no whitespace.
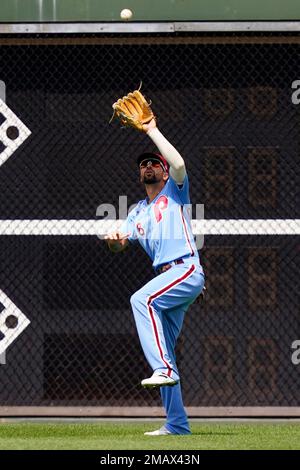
{"x":155,"y":163}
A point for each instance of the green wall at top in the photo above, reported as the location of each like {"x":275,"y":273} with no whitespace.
{"x":151,"y":10}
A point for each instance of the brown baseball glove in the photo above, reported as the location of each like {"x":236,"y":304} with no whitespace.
{"x":133,"y":110}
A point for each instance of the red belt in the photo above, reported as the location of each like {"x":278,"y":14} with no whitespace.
{"x":167,"y":266}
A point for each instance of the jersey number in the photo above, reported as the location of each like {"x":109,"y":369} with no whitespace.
{"x":160,"y":205}
{"x":140,"y":229}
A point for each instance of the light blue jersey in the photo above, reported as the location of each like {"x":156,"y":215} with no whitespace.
{"x":163,"y":227}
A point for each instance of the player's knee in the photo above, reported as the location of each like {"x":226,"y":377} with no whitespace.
{"x":136,"y":298}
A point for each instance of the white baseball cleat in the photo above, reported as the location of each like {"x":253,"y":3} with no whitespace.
{"x":159,"y":380}
{"x":159,"y":432}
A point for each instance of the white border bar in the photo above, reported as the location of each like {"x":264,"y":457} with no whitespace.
{"x":150,"y":27}
{"x":55,"y":227}
{"x":246,"y":227}
{"x":66,"y":28}
{"x":237,"y":26}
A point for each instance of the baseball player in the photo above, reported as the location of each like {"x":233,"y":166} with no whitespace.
{"x":161,"y":224}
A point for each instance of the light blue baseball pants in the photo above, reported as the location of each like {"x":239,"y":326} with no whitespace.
{"x":159,"y":308}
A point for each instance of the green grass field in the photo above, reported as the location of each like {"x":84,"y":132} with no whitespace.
{"x":129,"y":435}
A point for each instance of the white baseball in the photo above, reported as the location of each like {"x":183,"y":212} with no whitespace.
{"x":126,"y":14}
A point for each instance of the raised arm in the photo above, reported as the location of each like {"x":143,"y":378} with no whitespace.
{"x":173,"y":157}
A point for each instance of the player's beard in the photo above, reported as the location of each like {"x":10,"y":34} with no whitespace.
{"x":150,"y":179}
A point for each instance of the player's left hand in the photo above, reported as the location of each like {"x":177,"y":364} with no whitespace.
{"x":133,"y":110}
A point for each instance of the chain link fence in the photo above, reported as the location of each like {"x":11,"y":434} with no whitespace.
{"x":226,"y":106}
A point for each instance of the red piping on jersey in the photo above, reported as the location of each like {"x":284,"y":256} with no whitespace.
{"x":150,"y":310}
{"x":185,"y":231}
